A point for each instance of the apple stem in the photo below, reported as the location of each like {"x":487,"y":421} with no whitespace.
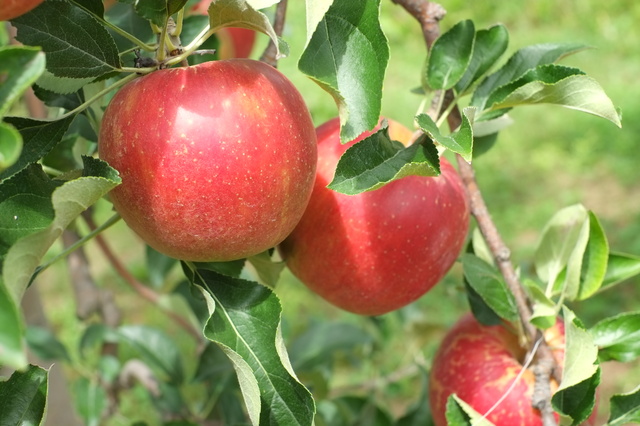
{"x":429,"y":15}
{"x":270,"y":54}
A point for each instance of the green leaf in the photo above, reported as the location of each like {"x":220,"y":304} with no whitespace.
{"x":156,"y":349}
{"x":594,"y":263}
{"x":76,"y":43}
{"x":311,"y":349}
{"x":522,"y":61}
{"x":450,"y":56}
{"x":625,"y":408}
{"x":459,"y":413}
{"x":39,"y":138}
{"x":90,"y":401}
{"x":95,"y":334}
{"x":488,"y":47}
{"x":620,"y":267}
{"x":575,"y":396}
{"x":377,"y":160}
{"x":315,"y":11}
{"x":68,"y":101}
{"x":347,"y":56}
{"x":358,"y":410}
{"x":545,"y":311}
{"x":34,"y":211}
{"x":563,"y":243}
{"x":10,"y":146}
{"x":23,"y":398}
{"x":618,"y":337}
{"x":158,"y":266}
{"x":245,"y":323}
{"x":45,"y":344}
{"x":20,"y":67}
{"x":239,"y":13}
{"x":575,"y":91}
{"x":12,"y":348}
{"x":460,"y":141}
{"x":266,"y":268}
{"x":419,"y":414}
{"x":62,"y":85}
{"x":489,"y":285}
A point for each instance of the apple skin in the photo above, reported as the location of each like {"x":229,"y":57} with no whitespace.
{"x":217,"y":160}
{"x":479,"y":363}
{"x":10,"y":9}
{"x":234,"y":42}
{"x":376,"y":252}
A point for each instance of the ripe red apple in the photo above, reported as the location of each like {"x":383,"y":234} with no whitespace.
{"x":217,"y":160}
{"x":479,"y":364}
{"x":10,"y":9}
{"x":234,"y":42}
{"x":380,"y":250}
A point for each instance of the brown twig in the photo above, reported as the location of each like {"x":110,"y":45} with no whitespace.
{"x":142,"y":290}
{"x":429,"y":14}
{"x":269,"y":55}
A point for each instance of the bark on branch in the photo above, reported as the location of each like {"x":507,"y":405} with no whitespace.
{"x":269,"y":55}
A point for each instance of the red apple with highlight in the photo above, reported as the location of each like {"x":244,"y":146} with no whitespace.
{"x":480,"y":363}
{"x":217,"y":160}
{"x":377,"y":251}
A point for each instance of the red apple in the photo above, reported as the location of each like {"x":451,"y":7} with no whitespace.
{"x":10,"y":9}
{"x":479,"y":364}
{"x":377,"y":251}
{"x":234,"y":42}
{"x":217,"y":160}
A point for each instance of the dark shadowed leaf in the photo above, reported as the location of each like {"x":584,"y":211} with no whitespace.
{"x":76,"y":43}
{"x":245,"y":323}
{"x":450,"y":56}
{"x":23,"y":398}
{"x":39,"y":138}
{"x":489,"y":46}
{"x":45,"y":344}
{"x":347,"y":56}
{"x":156,"y":349}
{"x":377,"y":160}
{"x":618,"y":338}
{"x":579,"y":400}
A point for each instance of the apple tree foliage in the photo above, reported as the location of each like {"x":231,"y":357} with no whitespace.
{"x":74,"y":56}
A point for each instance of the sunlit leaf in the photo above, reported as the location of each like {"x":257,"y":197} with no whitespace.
{"x":10,"y":146}
{"x":450,"y":55}
{"x":23,"y":397}
{"x":618,"y":337}
{"x":347,"y":56}
{"x":238,"y":13}
{"x":55,"y":209}
{"x":575,"y":396}
{"x":12,"y":345}
{"x":459,"y":413}
{"x":594,"y":264}
{"x":620,"y":267}
{"x":488,"y":47}
{"x":377,"y":160}
{"x":266,"y":268}
{"x":564,"y":240}
{"x":545,"y":310}
{"x":518,"y":64}
{"x":460,"y":141}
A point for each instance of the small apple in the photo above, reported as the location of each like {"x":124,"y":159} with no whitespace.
{"x":10,"y":9}
{"x":479,"y":363}
{"x":234,"y":42}
{"x":217,"y":160}
{"x":377,"y":251}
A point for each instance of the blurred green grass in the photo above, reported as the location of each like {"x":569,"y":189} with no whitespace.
{"x":548,"y":159}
